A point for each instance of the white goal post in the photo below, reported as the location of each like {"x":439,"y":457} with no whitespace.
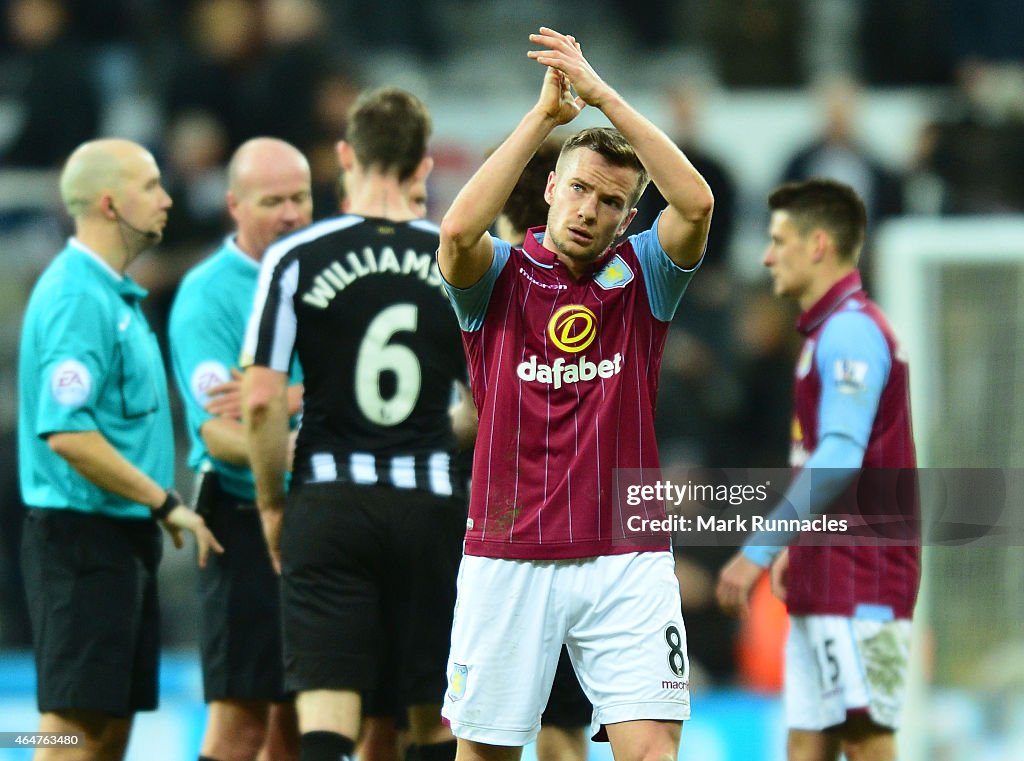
{"x":953,"y":289}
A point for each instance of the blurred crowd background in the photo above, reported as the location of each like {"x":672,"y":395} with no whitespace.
{"x":919,"y":104}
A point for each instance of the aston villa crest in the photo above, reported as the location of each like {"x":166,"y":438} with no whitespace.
{"x":457,"y":681}
{"x":615,"y":274}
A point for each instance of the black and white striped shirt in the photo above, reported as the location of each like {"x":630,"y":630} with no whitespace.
{"x":360,"y":300}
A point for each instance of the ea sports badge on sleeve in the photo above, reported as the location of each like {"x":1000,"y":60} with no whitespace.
{"x":205,"y":376}
{"x":70,"y":383}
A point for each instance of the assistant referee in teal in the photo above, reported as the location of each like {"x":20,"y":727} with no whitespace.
{"x":97,"y":459}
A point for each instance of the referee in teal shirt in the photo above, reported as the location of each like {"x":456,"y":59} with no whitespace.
{"x":269,"y":195}
{"x":97,"y":457}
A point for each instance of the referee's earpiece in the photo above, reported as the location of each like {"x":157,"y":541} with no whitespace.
{"x":150,"y":234}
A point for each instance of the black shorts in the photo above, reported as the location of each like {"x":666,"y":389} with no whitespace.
{"x":382,"y":700}
{"x":239,"y":602}
{"x":91,"y":583}
{"x":368,"y":589}
{"x":568,"y":706}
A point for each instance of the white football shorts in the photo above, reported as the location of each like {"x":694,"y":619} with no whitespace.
{"x":619,"y":616}
{"x":836,"y":666}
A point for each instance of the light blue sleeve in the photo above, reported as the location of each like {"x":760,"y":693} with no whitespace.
{"x":205,"y":341}
{"x":75,"y":340}
{"x":853,"y":363}
{"x":470,"y":304}
{"x":826,"y":473}
{"x":666,"y":281}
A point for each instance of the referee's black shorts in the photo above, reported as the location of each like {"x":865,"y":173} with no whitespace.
{"x":92,"y":598}
{"x":368,"y":588}
{"x":240,"y":610}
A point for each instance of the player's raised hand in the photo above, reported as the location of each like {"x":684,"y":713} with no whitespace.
{"x":564,"y":53}
{"x":556,"y":98}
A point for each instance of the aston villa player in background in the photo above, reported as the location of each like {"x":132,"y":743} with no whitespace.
{"x":849,"y":606}
{"x":564,"y":338}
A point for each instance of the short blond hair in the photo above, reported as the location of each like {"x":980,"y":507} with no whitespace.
{"x":96,"y":167}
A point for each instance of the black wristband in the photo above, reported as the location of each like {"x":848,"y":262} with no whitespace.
{"x":171,"y":502}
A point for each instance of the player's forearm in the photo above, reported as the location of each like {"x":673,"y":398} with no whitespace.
{"x":96,"y":460}
{"x":679,"y":182}
{"x":267,"y":432}
{"x":225,"y":440}
{"x":295,"y":392}
{"x":480,"y":201}
{"x":265,"y":417}
{"x":225,"y":437}
{"x":828,"y":472}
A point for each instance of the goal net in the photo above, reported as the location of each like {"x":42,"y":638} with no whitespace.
{"x":954,"y":292}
